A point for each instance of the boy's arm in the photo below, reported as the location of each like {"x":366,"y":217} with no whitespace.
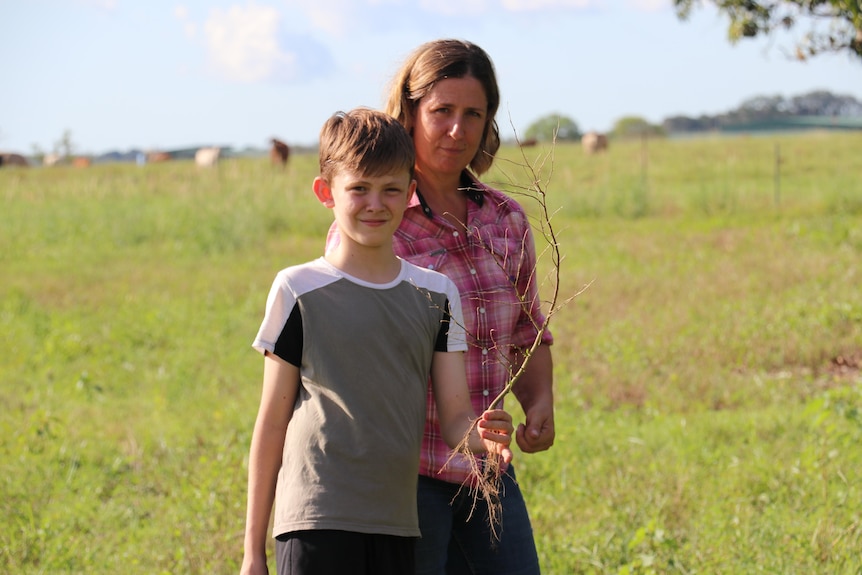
{"x":280,"y":386}
{"x":449,"y":383}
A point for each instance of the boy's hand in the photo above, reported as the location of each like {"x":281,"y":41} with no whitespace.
{"x":495,"y":428}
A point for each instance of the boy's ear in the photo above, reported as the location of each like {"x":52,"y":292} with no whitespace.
{"x":323,"y":192}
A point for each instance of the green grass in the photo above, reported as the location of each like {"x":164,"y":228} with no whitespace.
{"x":707,"y":382}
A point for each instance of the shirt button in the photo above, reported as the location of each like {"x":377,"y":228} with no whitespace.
{"x":455,"y":234}
{"x":472,"y":271}
{"x":485,"y":392}
{"x":431,"y":267}
{"x":484,"y":351}
{"x":481,"y":310}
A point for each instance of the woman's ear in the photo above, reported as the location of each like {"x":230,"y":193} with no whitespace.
{"x":323,"y":192}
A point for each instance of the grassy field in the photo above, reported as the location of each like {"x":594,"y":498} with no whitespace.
{"x":708,"y":381}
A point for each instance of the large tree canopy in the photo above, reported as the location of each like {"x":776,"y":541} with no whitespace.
{"x":552,"y":126}
{"x":635,"y":127}
{"x":834,"y":25}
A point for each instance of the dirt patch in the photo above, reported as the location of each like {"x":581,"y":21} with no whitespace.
{"x":846,"y":365}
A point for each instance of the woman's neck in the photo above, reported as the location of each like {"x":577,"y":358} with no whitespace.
{"x":444,"y":196}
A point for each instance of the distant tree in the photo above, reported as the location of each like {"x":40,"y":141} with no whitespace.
{"x":65,"y":147}
{"x":635,"y":126}
{"x":824,"y":103}
{"x":544,"y":129}
{"x":767,"y":108}
{"x":38,"y":153}
{"x":751,"y":18}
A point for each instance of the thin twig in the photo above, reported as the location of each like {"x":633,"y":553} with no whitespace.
{"x":484,"y":478}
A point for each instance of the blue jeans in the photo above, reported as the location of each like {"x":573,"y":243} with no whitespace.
{"x":453,"y":545}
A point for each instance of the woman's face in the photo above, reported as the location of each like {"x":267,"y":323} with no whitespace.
{"x":449,"y":124}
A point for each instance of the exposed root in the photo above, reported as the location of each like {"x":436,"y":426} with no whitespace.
{"x":485,"y":482}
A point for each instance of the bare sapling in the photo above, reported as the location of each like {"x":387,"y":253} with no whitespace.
{"x":484,"y":480}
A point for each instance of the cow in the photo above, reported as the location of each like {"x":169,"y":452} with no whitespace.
{"x":158,"y":156}
{"x":593,"y":142}
{"x":81,"y":162}
{"x":278,"y":153}
{"x":51,"y":159}
{"x":207,"y":157}
{"x":10,"y":159}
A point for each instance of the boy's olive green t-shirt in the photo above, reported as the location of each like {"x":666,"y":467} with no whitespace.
{"x":351,"y":454}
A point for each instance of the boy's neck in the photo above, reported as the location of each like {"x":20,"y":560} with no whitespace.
{"x":375,"y":265}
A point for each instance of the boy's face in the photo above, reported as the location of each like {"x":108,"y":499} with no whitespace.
{"x":367,"y":209}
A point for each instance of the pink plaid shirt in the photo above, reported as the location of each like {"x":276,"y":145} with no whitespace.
{"x":495,"y":254}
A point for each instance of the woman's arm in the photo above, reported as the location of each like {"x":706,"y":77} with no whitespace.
{"x":534,"y":391}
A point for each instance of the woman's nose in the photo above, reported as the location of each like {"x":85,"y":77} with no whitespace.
{"x":455,"y":130}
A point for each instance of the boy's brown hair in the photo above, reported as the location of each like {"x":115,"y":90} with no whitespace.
{"x":365,"y":141}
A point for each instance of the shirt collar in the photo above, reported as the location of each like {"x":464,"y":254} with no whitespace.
{"x":469,"y":186}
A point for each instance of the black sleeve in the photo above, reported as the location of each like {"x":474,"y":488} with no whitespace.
{"x":288,"y":346}
{"x":442,"y":343}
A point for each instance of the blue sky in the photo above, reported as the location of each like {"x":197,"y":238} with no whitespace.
{"x":163,"y":74}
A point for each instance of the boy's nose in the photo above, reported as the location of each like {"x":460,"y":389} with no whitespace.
{"x":375,"y":201}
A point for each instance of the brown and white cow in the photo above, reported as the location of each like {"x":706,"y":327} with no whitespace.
{"x":81,"y":162}
{"x":279,"y":153}
{"x":207,"y":157}
{"x":594,"y":142}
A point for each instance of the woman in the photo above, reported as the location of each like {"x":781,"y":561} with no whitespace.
{"x":446,"y":95}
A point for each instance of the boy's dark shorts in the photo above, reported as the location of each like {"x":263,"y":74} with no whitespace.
{"x":321,"y":552}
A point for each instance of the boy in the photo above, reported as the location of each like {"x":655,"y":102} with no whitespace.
{"x":349,"y":341}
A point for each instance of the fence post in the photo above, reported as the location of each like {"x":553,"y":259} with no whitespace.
{"x":777,"y":176}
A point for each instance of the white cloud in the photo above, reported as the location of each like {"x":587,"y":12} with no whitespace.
{"x":243,"y":44}
{"x":535,"y":5}
{"x":476,"y":7}
{"x":330,"y":16}
{"x":190,"y":29}
{"x":456,"y":7}
{"x":650,"y":5}
{"x":100,"y":4}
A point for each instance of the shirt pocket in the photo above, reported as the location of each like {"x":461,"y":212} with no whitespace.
{"x":428,"y":253}
{"x":509,"y":249}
